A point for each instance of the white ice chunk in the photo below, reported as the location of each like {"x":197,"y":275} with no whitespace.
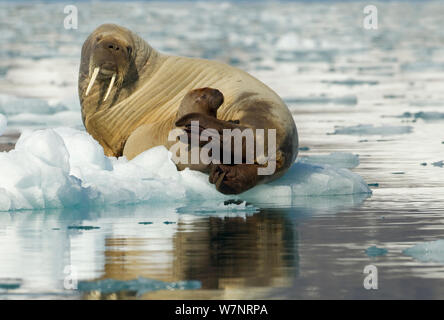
{"x":65,"y":167}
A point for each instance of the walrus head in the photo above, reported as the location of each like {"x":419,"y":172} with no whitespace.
{"x":203,"y":100}
{"x":112,"y":56}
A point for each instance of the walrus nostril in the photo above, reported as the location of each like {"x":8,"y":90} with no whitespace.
{"x":110,"y":45}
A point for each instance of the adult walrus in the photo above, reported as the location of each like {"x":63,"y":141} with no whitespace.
{"x":130,"y":94}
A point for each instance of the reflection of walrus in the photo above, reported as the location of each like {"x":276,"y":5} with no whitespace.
{"x":130,"y":92}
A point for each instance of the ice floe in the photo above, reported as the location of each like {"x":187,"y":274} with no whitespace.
{"x":438,"y":164}
{"x":428,"y":116}
{"x":3,"y":124}
{"x":344,"y":100}
{"x":375,"y":251}
{"x":335,"y":159}
{"x":66,"y":167}
{"x":369,"y":129}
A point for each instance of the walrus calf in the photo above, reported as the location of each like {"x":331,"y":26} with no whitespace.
{"x":130,"y":96}
{"x":203,"y":100}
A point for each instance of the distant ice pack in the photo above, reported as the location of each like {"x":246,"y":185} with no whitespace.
{"x":3,"y":124}
{"x":65,"y":167}
{"x":369,"y":129}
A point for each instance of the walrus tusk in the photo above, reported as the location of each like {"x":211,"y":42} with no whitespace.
{"x":93,"y":78}
{"x":111,"y":83}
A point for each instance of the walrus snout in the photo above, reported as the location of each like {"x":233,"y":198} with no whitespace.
{"x":110,"y":45}
{"x":110,"y":53}
{"x":110,"y":60}
{"x":113,"y":45}
{"x":212,"y":96}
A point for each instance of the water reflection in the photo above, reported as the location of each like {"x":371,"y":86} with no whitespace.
{"x":316,"y":250}
{"x":225,"y":251}
{"x":258,"y":250}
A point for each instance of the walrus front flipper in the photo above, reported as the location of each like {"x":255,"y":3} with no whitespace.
{"x":234,"y":179}
{"x":207,"y":122}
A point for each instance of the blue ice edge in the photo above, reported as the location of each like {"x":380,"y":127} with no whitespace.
{"x":432,"y":251}
{"x":140,"y":285}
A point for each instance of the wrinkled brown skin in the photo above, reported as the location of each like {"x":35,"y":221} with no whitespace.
{"x":128,"y":61}
{"x":248,"y":104}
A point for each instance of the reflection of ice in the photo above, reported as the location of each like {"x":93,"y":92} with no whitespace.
{"x":375,"y":251}
{"x":432,"y":251}
{"x":36,"y":247}
{"x":346,"y":100}
{"x":139,"y":285}
{"x":66,"y":167}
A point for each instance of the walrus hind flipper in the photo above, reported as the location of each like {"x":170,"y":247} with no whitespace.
{"x":233,"y":179}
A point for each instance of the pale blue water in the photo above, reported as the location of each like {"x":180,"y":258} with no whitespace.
{"x":348,"y":89}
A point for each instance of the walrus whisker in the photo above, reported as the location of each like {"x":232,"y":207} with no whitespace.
{"x":93,"y":78}
{"x":111,"y":83}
